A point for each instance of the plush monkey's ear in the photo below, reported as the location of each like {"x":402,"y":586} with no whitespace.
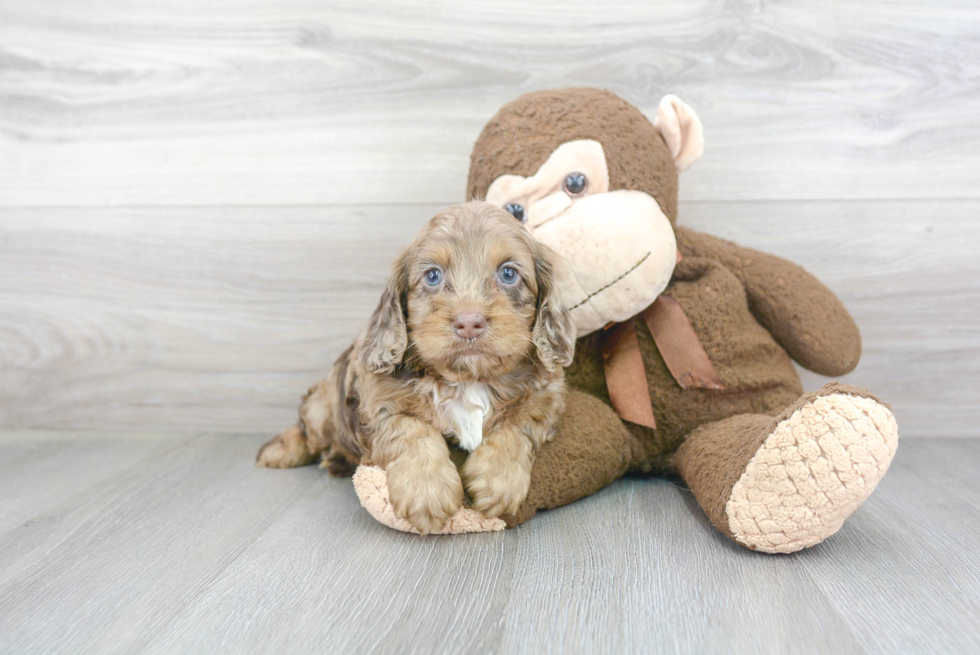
{"x":386,"y":337}
{"x":681,"y":129}
{"x":554,"y":330}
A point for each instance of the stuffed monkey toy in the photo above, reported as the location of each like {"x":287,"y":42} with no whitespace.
{"x":683,"y":361}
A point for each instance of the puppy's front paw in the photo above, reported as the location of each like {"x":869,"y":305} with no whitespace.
{"x":496,"y":485}
{"x":426,"y":495}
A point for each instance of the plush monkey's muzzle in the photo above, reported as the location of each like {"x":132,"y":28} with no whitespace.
{"x":619,"y":251}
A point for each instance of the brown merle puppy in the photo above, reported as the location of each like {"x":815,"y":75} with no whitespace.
{"x":467,"y":344}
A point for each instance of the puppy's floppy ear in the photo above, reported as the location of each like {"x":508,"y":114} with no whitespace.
{"x":554,"y":331}
{"x":386,"y":337}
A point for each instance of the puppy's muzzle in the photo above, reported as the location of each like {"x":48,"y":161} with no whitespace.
{"x":470,"y":325}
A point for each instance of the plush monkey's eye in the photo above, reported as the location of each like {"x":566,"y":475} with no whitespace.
{"x":508,"y":275}
{"x":433,"y":277}
{"x":575,"y":184}
{"x":516,"y":211}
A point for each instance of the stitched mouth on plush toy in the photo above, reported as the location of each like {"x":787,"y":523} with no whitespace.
{"x":601,"y":289}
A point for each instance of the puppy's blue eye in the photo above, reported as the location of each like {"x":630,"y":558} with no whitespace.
{"x":508,"y":275}
{"x":433,"y":277}
{"x":516,"y":211}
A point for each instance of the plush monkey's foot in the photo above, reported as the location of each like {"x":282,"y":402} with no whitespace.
{"x":371,"y":485}
{"x":793,"y":479}
{"x":287,"y":450}
{"x":812,"y":472}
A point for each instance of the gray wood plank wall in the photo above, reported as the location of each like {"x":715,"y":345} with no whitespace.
{"x":198,"y":202}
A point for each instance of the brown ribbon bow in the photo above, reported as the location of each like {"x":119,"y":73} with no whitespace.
{"x":678,"y":344}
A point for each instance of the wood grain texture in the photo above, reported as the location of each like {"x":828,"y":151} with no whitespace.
{"x":197,"y":317}
{"x":220,"y":318}
{"x":298,"y":102}
{"x":191,"y":549}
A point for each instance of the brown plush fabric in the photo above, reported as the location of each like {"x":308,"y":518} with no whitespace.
{"x":759,"y":377}
{"x":526,"y":131}
{"x":804,"y":316}
{"x":714,"y":456}
{"x":590,"y":450}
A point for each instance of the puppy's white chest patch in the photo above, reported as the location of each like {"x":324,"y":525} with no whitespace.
{"x":465,"y":407}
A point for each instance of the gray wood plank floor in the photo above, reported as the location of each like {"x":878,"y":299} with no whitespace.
{"x":175,"y":543}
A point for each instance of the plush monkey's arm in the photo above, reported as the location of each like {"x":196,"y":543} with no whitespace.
{"x":803,"y":315}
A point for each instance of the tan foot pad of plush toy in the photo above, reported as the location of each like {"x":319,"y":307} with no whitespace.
{"x":811,"y":473}
{"x":371,"y":485}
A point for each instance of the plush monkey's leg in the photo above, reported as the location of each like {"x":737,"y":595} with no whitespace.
{"x":781,"y":484}
{"x":591,"y":449}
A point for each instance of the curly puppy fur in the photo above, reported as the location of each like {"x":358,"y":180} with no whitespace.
{"x":418,"y":376}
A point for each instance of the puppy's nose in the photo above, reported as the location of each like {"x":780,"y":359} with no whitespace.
{"x":470,"y":325}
